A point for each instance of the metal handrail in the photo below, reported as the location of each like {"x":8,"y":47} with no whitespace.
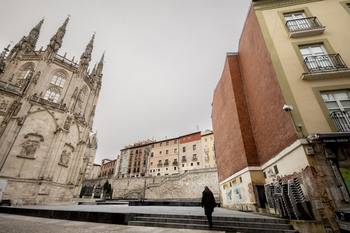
{"x":303,"y":24}
{"x":325,"y":62}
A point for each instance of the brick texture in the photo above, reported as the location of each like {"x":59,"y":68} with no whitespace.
{"x":249,"y":124}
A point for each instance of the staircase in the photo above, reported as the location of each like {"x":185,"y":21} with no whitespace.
{"x":227,"y":224}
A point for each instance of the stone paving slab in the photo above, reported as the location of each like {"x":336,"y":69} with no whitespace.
{"x":24,"y":224}
{"x":176,"y":210}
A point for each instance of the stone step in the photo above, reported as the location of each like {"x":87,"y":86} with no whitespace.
{"x":227,"y":224}
{"x":216,"y":222}
{"x":206,"y":227}
{"x":219,"y":218}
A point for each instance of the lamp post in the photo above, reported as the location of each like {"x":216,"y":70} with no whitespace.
{"x":146,"y":159}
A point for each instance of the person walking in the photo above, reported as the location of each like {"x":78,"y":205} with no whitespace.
{"x":208,"y":202}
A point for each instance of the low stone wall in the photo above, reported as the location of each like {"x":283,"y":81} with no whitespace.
{"x":188,"y":185}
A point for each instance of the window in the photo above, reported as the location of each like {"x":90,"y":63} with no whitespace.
{"x":58,"y":79}
{"x":175,"y":150}
{"x":207,"y":165}
{"x":197,"y":163}
{"x":52,"y":94}
{"x":151,"y":154}
{"x":174,"y":168}
{"x":160,"y":152}
{"x":206,"y":149}
{"x":194,"y":147}
{"x":338,"y":104}
{"x":205,"y":139}
{"x":337,"y":100}
{"x":183,"y":149}
{"x":183,"y":158}
{"x":167,"y":143}
{"x":175,"y":141}
{"x":160,"y":144}
{"x":191,"y":164}
{"x":315,"y":57}
{"x":296,"y":21}
{"x":151,"y":163}
{"x":167,"y":152}
{"x":206,"y":156}
{"x":183,"y":165}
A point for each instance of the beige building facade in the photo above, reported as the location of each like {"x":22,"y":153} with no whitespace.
{"x":208,"y":149}
{"x":281,"y":112}
{"x":47,"y":109}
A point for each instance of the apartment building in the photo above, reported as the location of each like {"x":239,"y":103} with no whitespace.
{"x":167,"y":157}
{"x":163,"y":159}
{"x":208,"y":148}
{"x":281,"y":110}
{"x":190,"y":152}
{"x":108,"y":168}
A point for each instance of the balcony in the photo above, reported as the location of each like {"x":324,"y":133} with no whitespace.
{"x":159,"y":164}
{"x":175,"y":162}
{"x":325,"y":66}
{"x":194,"y":158}
{"x":184,"y":159}
{"x":166,"y":163}
{"x":310,"y":26}
{"x":341,"y":120}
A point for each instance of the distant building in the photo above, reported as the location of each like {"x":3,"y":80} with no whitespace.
{"x":208,"y":148}
{"x":190,"y":152}
{"x":167,"y":157}
{"x":108,"y":168}
{"x":47,"y":108}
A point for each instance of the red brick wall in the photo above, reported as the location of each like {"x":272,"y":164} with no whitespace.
{"x":249,"y":124}
{"x":273,"y":128}
{"x":234,"y":142}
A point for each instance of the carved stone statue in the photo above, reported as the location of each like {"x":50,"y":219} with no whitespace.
{"x":3,"y":104}
{"x":67,"y":123}
{"x":65,"y":157}
{"x":29,"y":148}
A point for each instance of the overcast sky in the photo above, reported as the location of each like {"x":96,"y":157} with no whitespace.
{"x":163,"y":58}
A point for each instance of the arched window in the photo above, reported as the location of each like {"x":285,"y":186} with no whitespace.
{"x":52,"y":94}
{"x":24,"y":74}
{"x":58,"y":79}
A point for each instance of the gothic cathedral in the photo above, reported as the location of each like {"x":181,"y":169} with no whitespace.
{"x":47,"y":107}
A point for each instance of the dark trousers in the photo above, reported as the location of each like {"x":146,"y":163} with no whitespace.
{"x":210,"y":219}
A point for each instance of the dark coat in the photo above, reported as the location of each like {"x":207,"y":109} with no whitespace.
{"x":208,"y":201}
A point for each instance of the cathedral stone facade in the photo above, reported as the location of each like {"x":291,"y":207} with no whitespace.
{"x":47,"y":107}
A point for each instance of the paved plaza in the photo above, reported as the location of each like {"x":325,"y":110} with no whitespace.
{"x":175,"y":210}
{"x":18,"y":223}
{"x":23,"y":224}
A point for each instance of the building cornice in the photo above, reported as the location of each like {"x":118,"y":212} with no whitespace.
{"x":272,"y":4}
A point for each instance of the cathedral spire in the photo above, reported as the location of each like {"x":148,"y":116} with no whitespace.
{"x":27,"y":43}
{"x":100,"y":66}
{"x":33,"y":36}
{"x":86,"y":56}
{"x":56,"y":41}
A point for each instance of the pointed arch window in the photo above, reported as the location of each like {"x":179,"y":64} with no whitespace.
{"x":58,"y":79}
{"x":52,"y":94}
{"x":24,"y":75}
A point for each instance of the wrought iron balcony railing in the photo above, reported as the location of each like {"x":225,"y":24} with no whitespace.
{"x":341,"y":120}
{"x":175,"y":162}
{"x":166,"y":163}
{"x":303,"y":24}
{"x":159,"y":164}
{"x":325,"y":62}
